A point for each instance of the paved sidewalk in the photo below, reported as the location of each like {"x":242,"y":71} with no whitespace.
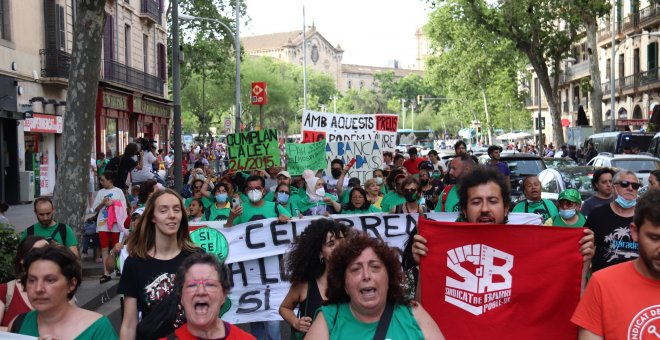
{"x":21,"y":216}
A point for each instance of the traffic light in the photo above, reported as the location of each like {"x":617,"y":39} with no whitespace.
{"x":419,"y":99}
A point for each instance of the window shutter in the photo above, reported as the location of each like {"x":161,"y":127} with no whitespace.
{"x":652,"y":56}
{"x":50,"y":24}
{"x":108,"y":48}
{"x":61,"y":31}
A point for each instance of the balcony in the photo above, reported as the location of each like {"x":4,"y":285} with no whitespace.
{"x":641,"y":81}
{"x":149,"y":9}
{"x":648,"y":16}
{"x":630,"y":23}
{"x":120,"y":73}
{"x":55,"y":65}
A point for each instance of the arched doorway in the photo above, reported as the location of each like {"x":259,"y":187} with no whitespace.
{"x":622,"y":113}
{"x":637,"y":112}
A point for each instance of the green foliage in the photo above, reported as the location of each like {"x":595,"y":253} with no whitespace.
{"x":8,"y":243}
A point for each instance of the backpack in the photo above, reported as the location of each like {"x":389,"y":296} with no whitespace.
{"x":60,"y":228}
{"x":445,"y":193}
{"x":113,"y":164}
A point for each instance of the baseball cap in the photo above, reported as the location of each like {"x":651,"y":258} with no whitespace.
{"x":284,"y":173}
{"x":571,"y":195}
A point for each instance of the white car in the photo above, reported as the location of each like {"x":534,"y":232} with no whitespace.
{"x":640,"y":164}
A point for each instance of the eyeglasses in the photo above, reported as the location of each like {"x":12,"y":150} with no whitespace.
{"x":209,"y":285}
{"x":625,"y":184}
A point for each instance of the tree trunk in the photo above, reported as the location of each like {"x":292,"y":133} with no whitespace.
{"x":538,"y":63}
{"x":596,"y":97}
{"x":77,"y":136}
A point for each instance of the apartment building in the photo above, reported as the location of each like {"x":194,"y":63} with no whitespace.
{"x":35,"y":58}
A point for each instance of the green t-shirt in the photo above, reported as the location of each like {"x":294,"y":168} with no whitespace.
{"x":390,"y":200}
{"x":451,"y":204}
{"x":305,"y":204}
{"x":267,"y":210}
{"x":293,"y":197}
{"x":100,"y":166}
{"x":47,"y":232}
{"x":557,"y":221}
{"x":206,"y":202}
{"x":343,"y":325}
{"x":213,"y":213}
{"x":100,"y":329}
{"x":544,"y":208}
{"x":371,"y":209}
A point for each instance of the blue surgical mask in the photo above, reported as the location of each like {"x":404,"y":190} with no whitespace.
{"x":221,"y":198}
{"x":624,"y":202}
{"x":567,"y":214}
{"x":379,"y":180}
{"x":282,"y":197}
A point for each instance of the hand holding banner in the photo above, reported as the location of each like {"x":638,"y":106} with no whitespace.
{"x":484,"y":281}
{"x":253,"y":150}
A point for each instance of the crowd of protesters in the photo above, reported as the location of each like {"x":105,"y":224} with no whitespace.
{"x":146,"y":226}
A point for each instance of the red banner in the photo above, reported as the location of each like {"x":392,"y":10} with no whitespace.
{"x":484,"y":281}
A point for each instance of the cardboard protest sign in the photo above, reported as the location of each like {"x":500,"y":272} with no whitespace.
{"x":484,"y":281}
{"x":305,"y":156}
{"x":253,"y":150}
{"x":368,"y":156}
{"x":256,"y":255}
{"x":336,"y":127}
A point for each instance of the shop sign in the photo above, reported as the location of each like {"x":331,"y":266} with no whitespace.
{"x":43,"y":123}
{"x":114,"y":101}
{"x":150,"y":108}
{"x":633,"y":122}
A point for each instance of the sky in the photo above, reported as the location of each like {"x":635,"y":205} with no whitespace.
{"x":371,"y":32}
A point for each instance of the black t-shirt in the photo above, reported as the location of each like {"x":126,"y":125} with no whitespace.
{"x":428,"y":197}
{"x":614,"y":243}
{"x":150,"y":280}
{"x":126,"y":165}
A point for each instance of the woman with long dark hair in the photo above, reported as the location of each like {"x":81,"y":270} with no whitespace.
{"x":307,"y":265}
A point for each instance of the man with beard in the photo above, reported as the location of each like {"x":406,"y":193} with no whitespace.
{"x":534,"y":203}
{"x":494,"y":154}
{"x":460,"y":165}
{"x":602,"y":183}
{"x":611,"y":223}
{"x":622,"y":301}
{"x":48,"y":228}
{"x":336,"y":167}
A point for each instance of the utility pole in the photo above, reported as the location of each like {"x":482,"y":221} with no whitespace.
{"x":176,"y":94}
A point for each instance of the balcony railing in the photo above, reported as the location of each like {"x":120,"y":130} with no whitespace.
{"x":150,"y":9}
{"x":648,"y":13}
{"x":114,"y":71}
{"x":633,"y":81}
{"x":605,"y":34}
{"x":55,"y":63}
{"x":630,"y":22}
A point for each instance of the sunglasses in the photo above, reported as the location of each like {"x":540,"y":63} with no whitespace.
{"x":409,"y":190}
{"x":625,"y":184}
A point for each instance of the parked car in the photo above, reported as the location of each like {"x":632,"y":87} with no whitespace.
{"x":641,"y":164}
{"x":614,"y":142}
{"x":554,"y":163}
{"x":556,"y":180}
{"x":521,"y":165}
{"x":654,"y":148}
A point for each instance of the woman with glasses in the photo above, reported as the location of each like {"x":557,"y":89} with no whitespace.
{"x":203,"y":284}
{"x":410,"y":190}
{"x":359,"y":203}
{"x":308,"y":265}
{"x":283,"y":197}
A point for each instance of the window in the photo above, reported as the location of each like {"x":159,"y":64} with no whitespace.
{"x":608,"y":69}
{"x":127,"y":45}
{"x":61,"y":31}
{"x":162,"y":65}
{"x":5,"y":23}
{"x":145,"y":52}
{"x":652,"y":56}
{"x":108,"y":46}
{"x":110,"y":137}
{"x":350,"y":85}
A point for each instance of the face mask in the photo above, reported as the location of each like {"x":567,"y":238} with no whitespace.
{"x":221,"y":198}
{"x":282,"y":198}
{"x":379,"y":180}
{"x":436,"y":175}
{"x":567,"y":214}
{"x":623,"y":202}
{"x":424,"y":181}
{"x":254,"y":196}
{"x":135,"y":158}
{"x":411,"y":197}
{"x":336,"y":173}
{"x":320,"y":192}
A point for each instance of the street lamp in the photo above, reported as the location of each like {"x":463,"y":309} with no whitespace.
{"x":615,"y":48}
{"x":237,"y":47}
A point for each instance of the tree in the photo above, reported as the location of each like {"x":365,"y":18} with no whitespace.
{"x":77,"y":135}
{"x":543,"y":30}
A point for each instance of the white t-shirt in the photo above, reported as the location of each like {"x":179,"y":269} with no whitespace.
{"x":168,"y":161}
{"x":138,"y":176}
{"x":440,"y":165}
{"x":101,"y":221}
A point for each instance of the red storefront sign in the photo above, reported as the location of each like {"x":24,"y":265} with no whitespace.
{"x":633,"y":122}
{"x":43,"y":123}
